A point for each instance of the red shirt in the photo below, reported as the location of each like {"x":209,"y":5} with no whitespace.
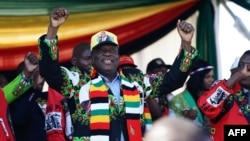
{"x":5,"y":126}
{"x":211,"y":103}
{"x":58,"y":120}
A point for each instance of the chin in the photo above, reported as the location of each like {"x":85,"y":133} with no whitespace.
{"x":108,"y":68}
{"x":245,"y":82}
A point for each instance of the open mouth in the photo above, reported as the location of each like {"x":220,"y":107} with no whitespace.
{"x":107,"y":61}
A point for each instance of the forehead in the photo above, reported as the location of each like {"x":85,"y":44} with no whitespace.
{"x":160,"y":68}
{"x":86,"y":53}
{"x":107,"y":46}
{"x":211,"y":72}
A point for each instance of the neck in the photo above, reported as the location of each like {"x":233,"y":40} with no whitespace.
{"x":109,"y":76}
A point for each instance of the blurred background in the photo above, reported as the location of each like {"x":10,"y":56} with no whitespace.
{"x":145,"y":29}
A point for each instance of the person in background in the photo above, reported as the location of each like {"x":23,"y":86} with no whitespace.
{"x":159,"y":106}
{"x":185,"y":104}
{"x":28,"y":112}
{"x":109,"y":105}
{"x":200,"y":80}
{"x":81,"y":56}
{"x":126,"y":61}
{"x":227,"y":102}
{"x":157,"y":65}
{"x":11,"y":92}
{"x":174,"y":129}
{"x":234,"y":65}
{"x":130,"y":70}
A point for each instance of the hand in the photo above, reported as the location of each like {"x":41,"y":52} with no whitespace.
{"x":186,"y":32}
{"x":30,"y":63}
{"x":245,"y":71}
{"x":58,"y":16}
{"x":190,"y":114}
{"x":242,"y":72}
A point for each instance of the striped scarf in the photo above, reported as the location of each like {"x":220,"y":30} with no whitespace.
{"x":147,"y":117}
{"x":100,"y":116}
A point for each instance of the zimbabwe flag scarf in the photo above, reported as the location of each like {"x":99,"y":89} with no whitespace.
{"x":99,"y":110}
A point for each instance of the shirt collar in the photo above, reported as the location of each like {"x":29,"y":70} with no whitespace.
{"x":245,"y":90}
{"x":117,"y":77}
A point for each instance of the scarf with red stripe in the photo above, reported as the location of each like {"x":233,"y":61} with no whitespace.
{"x":100,"y":116}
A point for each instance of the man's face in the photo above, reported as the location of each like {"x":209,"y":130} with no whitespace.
{"x":105,"y":59}
{"x":162,"y":70}
{"x":245,"y":60}
{"x":84,"y":60}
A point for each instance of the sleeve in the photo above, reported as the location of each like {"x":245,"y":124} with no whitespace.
{"x":177,"y":75}
{"x":48,"y":62}
{"x":16,"y":87}
{"x":212,"y":101}
{"x":70,"y":81}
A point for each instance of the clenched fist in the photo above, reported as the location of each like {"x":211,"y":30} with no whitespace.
{"x":58,"y":16}
{"x":31,"y":64}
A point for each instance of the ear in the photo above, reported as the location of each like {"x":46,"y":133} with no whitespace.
{"x":73,"y":61}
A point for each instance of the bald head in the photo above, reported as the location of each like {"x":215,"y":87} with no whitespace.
{"x":81,"y":47}
{"x":173,"y":129}
{"x":81,"y":56}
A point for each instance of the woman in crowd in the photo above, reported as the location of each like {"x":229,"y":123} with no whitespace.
{"x":185,"y":104}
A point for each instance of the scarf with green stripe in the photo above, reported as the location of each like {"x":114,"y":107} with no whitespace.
{"x":99,"y":110}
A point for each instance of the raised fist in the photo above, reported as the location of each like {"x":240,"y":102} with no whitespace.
{"x":185,"y":30}
{"x":58,"y":16}
{"x":31,"y":64}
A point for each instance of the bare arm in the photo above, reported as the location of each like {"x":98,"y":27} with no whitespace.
{"x":57,"y":17}
{"x":186,"y":32}
{"x":49,"y":51}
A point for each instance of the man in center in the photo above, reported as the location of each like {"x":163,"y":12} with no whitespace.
{"x":109,"y":105}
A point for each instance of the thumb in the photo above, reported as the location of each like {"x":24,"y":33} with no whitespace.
{"x":27,"y":55}
{"x":178,"y":25}
{"x":178,"y":22}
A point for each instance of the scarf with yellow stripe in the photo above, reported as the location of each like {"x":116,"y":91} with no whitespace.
{"x":100,"y":116}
